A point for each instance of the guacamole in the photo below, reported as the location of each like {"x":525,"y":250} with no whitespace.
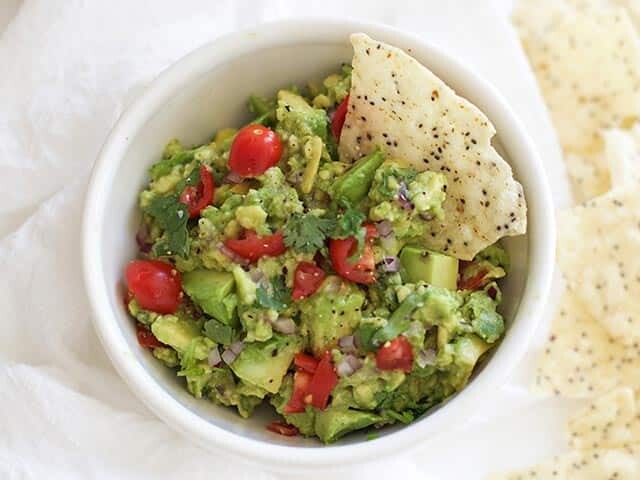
{"x":272,"y":271}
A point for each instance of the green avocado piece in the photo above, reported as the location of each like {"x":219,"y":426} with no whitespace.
{"x":334,"y":311}
{"x":246,"y":287}
{"x":175,"y":332}
{"x":296,"y":116}
{"x":264,"y":364}
{"x":431,"y":267}
{"x":213,"y":292}
{"x":333,"y":423}
{"x":354,"y":185}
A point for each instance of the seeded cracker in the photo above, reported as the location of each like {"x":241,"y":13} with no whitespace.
{"x":399,"y":104}
{"x":581,"y":359}
{"x":586,"y":63}
{"x":598,"y":245}
{"x":609,"y":421}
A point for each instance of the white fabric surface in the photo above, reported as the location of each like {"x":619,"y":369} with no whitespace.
{"x":69,"y":70}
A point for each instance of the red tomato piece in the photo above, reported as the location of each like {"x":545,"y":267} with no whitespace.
{"x":323,"y":382}
{"x":395,"y":355}
{"x":337,"y":122}
{"x":254,"y":150}
{"x":197,"y":197}
{"x":307,"y":279}
{"x":362,"y":271}
{"x":283,"y":429}
{"x":253,"y":247}
{"x":474,"y":282}
{"x":155,"y":285}
{"x":146,"y":338}
{"x":305,"y":362}
{"x":301,"y":382}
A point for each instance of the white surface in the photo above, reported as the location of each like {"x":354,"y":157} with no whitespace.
{"x":191,"y":90}
{"x":70,"y":67}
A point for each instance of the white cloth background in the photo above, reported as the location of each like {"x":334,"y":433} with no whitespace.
{"x":69,"y":68}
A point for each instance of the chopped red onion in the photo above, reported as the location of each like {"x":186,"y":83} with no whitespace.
{"x":256,"y":275}
{"x":228,"y":356}
{"x":347,"y":344}
{"x":348,"y":365}
{"x":237,"y":347}
{"x":391,"y":264}
{"x":284,"y":325}
{"x":142,"y":238}
{"x":232,"y":177}
{"x":384,"y":228}
{"x":403,"y":197}
{"x":426,"y":357}
{"x":227,"y":252}
{"x":214,"y":357}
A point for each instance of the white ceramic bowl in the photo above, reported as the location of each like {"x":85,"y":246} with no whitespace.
{"x":208,"y":90}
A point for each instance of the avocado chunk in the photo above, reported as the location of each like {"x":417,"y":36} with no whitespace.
{"x":354,"y":185}
{"x":430,"y":267}
{"x":264,"y":364}
{"x":331,"y":313}
{"x":333,"y":423}
{"x":175,"y":332}
{"x":246,"y":287}
{"x":296,"y":116}
{"x":213,"y":292}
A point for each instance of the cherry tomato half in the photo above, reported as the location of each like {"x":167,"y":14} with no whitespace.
{"x":253,"y":247}
{"x":337,"y":122}
{"x":254,"y":150}
{"x":146,"y":338}
{"x":155,"y":285}
{"x":395,"y":355}
{"x":324,"y":380}
{"x":306,"y":363}
{"x":297,"y":402}
{"x":197,"y":197}
{"x":362,"y":271}
{"x":283,"y":429}
{"x":306,"y":280}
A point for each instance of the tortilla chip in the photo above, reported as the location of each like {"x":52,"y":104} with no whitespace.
{"x":609,"y":421}
{"x":618,"y":464}
{"x":598,"y":246}
{"x":588,"y":175}
{"x":581,"y":359}
{"x":622,"y":153}
{"x":587,"y":65}
{"x":397,"y":103}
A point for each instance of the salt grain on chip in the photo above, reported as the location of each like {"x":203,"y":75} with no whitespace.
{"x":399,"y":104}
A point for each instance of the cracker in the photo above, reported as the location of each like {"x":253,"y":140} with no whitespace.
{"x":399,"y":104}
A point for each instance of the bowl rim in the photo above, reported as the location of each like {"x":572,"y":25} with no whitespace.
{"x":541,"y":248}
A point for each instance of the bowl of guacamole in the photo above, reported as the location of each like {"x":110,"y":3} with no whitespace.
{"x":323,"y":261}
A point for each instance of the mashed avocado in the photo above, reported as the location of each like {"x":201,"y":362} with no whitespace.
{"x":308,"y":285}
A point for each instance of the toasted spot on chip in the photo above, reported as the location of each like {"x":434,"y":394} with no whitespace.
{"x":418,"y":118}
{"x":598,"y":245}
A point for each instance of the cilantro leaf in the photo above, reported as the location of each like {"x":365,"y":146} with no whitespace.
{"x":164,"y":166}
{"x":218,"y":332}
{"x":348,"y":223}
{"x":172,"y":216}
{"x":306,"y":233}
{"x":276,"y":297}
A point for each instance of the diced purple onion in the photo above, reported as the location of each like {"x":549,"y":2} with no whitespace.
{"x":256,"y":275}
{"x":426,"y":357}
{"x":347,"y":344}
{"x":284,"y":325}
{"x":384,"y":228}
{"x":348,"y":365}
{"x":142,"y":239}
{"x":237,"y":347}
{"x":232,"y":177}
{"x":391,"y":264}
{"x":227,"y":252}
{"x":403,"y":197}
{"x":228,"y":356}
{"x":214,"y":357}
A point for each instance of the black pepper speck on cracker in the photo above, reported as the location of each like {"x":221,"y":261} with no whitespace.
{"x":419,"y":119}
